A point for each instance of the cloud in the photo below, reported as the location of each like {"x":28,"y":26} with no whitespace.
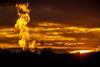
{"x":75,"y":13}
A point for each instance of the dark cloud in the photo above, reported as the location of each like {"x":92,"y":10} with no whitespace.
{"x":71,"y":12}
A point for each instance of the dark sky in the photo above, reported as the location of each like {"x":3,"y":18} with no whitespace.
{"x":71,"y":12}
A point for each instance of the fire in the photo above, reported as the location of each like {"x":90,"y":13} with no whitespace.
{"x":32,"y":45}
{"x":21,"y":24}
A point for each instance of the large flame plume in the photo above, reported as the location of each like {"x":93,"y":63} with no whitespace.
{"x":21,"y":24}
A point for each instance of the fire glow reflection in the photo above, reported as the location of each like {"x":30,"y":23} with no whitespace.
{"x":49,"y":34}
{"x":54,"y":38}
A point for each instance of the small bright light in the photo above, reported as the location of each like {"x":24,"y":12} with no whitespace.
{"x":84,"y":51}
{"x":81,"y":51}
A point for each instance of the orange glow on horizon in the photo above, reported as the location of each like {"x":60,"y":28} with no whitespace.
{"x":81,"y":51}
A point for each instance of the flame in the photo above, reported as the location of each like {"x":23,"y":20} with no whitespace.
{"x":21,"y":24}
{"x":32,"y":45}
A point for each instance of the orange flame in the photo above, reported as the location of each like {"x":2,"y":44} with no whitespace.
{"x":21,"y":24}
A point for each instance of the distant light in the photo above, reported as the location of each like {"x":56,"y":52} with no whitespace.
{"x":84,"y":51}
{"x":81,"y":51}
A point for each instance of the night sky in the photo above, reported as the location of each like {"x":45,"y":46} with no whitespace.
{"x":83,"y":13}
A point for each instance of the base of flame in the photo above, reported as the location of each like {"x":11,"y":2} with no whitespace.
{"x":27,"y":46}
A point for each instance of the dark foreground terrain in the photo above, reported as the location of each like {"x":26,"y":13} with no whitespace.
{"x":47,"y":56}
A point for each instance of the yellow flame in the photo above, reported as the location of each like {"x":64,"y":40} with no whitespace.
{"x":21,"y":24}
{"x":32,"y":45}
